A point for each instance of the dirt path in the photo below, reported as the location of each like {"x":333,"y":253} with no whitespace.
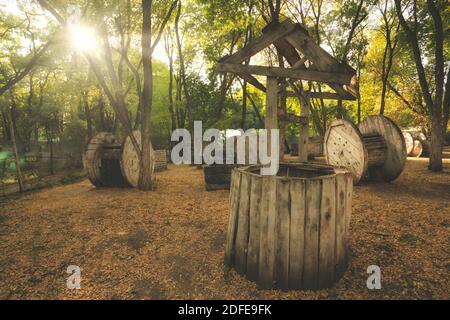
{"x":169,"y":243}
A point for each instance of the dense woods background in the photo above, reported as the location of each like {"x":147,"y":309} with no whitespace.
{"x":68,"y":71}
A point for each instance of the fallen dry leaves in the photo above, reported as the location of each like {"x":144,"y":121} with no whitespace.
{"x":169,"y":243}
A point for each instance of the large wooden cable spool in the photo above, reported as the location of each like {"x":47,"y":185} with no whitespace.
{"x":130,"y":159}
{"x":111,"y":164}
{"x":376,"y":150}
{"x":102,"y":161}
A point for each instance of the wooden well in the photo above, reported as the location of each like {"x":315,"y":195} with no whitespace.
{"x":290,"y":231}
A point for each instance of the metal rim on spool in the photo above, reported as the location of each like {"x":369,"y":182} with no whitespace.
{"x":395,"y":142}
{"x":344,"y":147}
{"x":93,"y":155}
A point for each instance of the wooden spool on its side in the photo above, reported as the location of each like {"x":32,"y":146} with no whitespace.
{"x":422,"y":146}
{"x":290,"y":231}
{"x":130,"y":160}
{"x":377,"y":149}
{"x":102,"y":161}
{"x":409,"y":142}
{"x":417,"y":149}
{"x":217,"y":176}
{"x":395,"y":161}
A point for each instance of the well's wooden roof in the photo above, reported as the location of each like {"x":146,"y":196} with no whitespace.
{"x":294,"y":43}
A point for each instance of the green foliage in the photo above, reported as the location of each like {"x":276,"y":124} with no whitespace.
{"x":61,"y":101}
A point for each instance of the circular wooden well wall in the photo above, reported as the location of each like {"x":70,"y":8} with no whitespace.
{"x":290,"y":231}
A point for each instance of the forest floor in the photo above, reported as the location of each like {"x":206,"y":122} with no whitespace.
{"x":169,"y":243}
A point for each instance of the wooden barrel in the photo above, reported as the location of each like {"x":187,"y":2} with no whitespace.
{"x":217,"y":176}
{"x":290,"y":231}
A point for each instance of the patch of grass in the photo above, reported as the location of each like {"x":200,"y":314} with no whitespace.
{"x":408,"y":238}
{"x":2,"y":218}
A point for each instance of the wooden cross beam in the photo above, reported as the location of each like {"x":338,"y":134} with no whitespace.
{"x":290,"y":117}
{"x":322,"y":95}
{"x":299,"y":74}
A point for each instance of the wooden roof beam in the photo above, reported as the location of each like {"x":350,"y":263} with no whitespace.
{"x":252,"y":80}
{"x":273,"y":33}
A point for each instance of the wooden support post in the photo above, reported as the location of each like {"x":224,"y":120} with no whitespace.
{"x":282,"y":123}
{"x":271,"y":121}
{"x":304,"y":131}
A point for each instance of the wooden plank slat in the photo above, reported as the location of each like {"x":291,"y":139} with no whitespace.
{"x":267,"y":233}
{"x":243,"y":225}
{"x":311,"y":255}
{"x":339,"y":251}
{"x":232,"y":219}
{"x":296,"y":238}
{"x":348,"y":211}
{"x":327,"y":233}
{"x":282,"y":234}
{"x":254,"y":228}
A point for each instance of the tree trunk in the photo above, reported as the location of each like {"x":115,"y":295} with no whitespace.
{"x":51,"y":166}
{"x":437,"y":108}
{"x":16,"y":153}
{"x":101,"y":110}
{"x":436,"y":145}
{"x":244,"y":104}
{"x":169,"y":50}
{"x":87,"y":112}
{"x":183,"y":70}
{"x":145,"y":177}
